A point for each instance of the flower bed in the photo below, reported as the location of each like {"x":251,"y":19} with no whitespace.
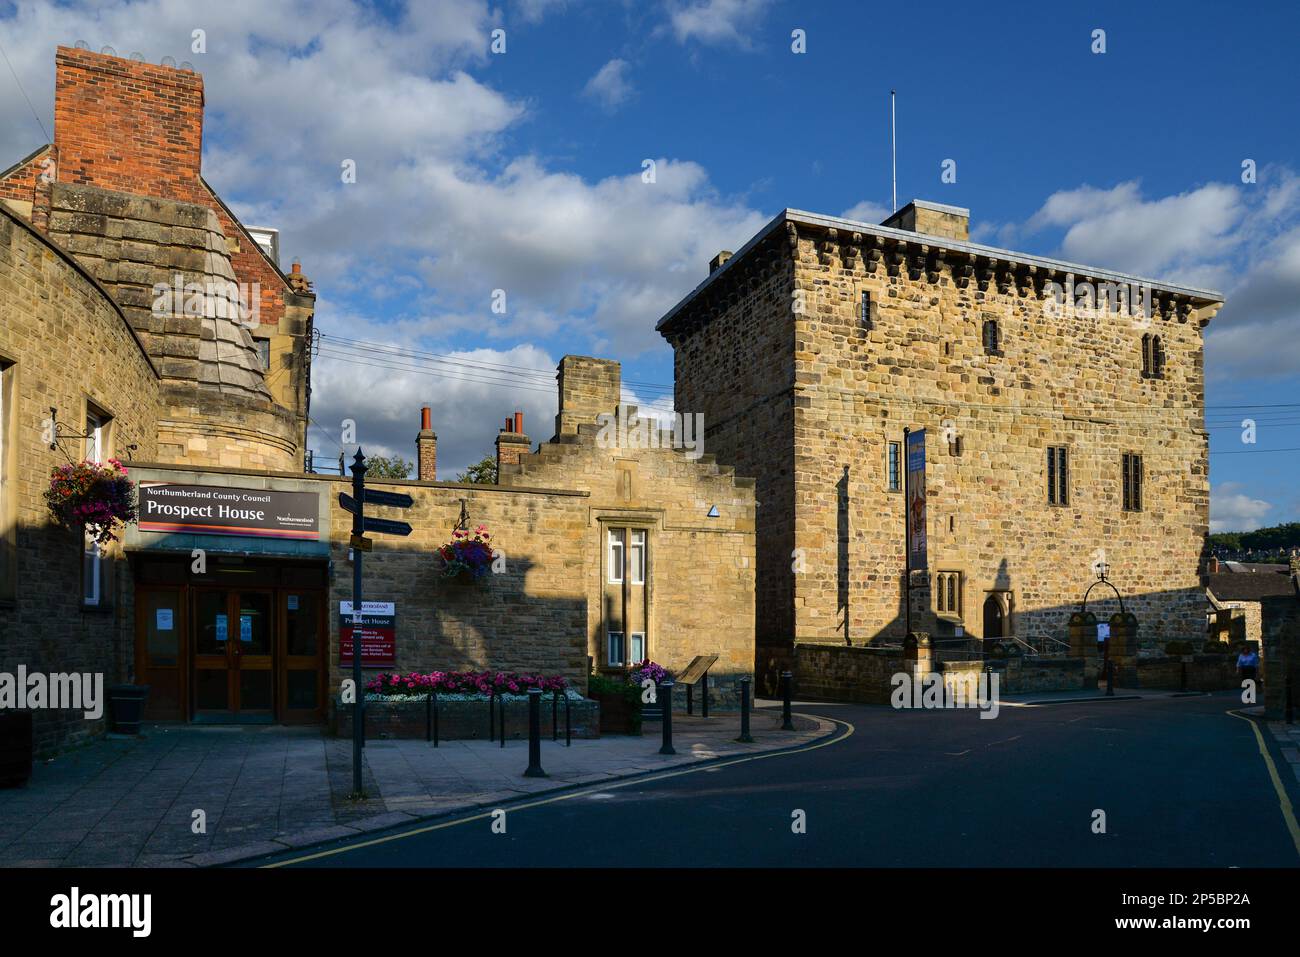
{"x":473,"y":683}
{"x":463,"y":717}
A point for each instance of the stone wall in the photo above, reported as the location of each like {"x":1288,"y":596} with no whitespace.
{"x":1280,"y":617}
{"x":63,"y":342}
{"x":700,"y":568}
{"x":737,"y":370}
{"x":846,"y":672}
{"x":467,"y":720}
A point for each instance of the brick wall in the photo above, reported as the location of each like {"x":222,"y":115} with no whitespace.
{"x":62,"y":340}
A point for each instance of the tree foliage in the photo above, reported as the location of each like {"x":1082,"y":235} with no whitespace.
{"x":482,"y":472}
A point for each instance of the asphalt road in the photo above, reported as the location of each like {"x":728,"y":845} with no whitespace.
{"x":1182,"y":784}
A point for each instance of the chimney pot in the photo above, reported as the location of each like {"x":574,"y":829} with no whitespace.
{"x":426,"y":418}
{"x":519,"y":422}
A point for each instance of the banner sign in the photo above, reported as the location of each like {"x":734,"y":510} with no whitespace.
{"x":216,"y":510}
{"x":378,"y":633}
{"x":916,"y":524}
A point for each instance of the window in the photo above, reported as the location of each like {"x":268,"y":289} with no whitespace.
{"x":1058,"y":476}
{"x":1132,"y":482}
{"x":92,"y":564}
{"x":614,"y":643}
{"x":947,"y":593}
{"x":992,"y":341}
{"x":616,"y":556}
{"x":626,"y":556}
{"x":954,"y":445}
{"x":636,"y":561}
{"x":1153,"y":357}
{"x":264,"y":352}
{"x":866,"y":312}
{"x":893,"y":470}
{"x":637,"y":651}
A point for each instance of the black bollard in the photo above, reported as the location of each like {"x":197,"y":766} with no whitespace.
{"x":435,"y":719}
{"x":787,"y":681}
{"x":745,"y":736}
{"x":555,"y":716}
{"x":666,"y":694}
{"x":492,"y":715}
{"x":1110,"y":678}
{"x":503,"y":721}
{"x":704,"y":691}
{"x":568,"y":724}
{"x":535,"y":734}
{"x":428,"y":716}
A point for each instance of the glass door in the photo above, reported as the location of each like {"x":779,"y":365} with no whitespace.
{"x":233,"y":654}
{"x":302,"y":675}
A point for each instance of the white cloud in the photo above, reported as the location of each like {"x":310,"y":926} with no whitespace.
{"x":446,"y":207}
{"x":1242,"y":240}
{"x":1233,"y":511}
{"x":610,"y":86}
{"x":470,"y":394}
{"x":866,"y":212}
{"x":716,"y":22}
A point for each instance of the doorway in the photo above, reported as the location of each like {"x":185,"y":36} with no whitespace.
{"x":242,"y":642}
{"x":233,"y":639}
{"x":994,"y":619}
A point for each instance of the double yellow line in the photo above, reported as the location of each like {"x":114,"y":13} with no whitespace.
{"x":1288,"y":812}
{"x":848,"y":729}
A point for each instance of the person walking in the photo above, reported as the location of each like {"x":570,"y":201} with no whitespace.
{"x":1248,"y":663}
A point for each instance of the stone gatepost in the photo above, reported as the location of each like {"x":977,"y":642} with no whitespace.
{"x":1123,"y":646}
{"x":1083,"y":635}
{"x":919,"y":654}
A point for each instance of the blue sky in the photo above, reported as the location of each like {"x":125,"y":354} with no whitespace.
{"x":521,"y":171}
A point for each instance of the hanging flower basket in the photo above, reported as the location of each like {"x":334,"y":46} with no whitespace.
{"x":468,"y":553}
{"x":94,"y":496}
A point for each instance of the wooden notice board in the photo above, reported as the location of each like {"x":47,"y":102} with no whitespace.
{"x":696,"y":669}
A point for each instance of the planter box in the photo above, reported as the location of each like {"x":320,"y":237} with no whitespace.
{"x":126,"y":708}
{"x":15,"y":748}
{"x":617,"y":715}
{"x":463,"y":720}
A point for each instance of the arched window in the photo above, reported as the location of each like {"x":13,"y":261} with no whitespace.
{"x":992,"y":341}
{"x":1146,"y":354}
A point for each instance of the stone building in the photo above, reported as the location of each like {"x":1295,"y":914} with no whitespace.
{"x":140,"y":319}
{"x":1062,"y":407}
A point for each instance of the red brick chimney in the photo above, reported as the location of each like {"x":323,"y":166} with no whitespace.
{"x":426,"y":448}
{"x":127,"y":125}
{"x":512,"y":444}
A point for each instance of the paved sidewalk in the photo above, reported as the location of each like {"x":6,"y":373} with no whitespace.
{"x":132,"y":802}
{"x":1287,"y":737}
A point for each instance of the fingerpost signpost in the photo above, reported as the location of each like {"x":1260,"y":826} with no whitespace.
{"x":356,"y":503}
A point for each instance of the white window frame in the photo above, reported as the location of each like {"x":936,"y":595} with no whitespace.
{"x":636,"y":556}
{"x":609,"y":649}
{"x":92,"y":578}
{"x":615,"y":552}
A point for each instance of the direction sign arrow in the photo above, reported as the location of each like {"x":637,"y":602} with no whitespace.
{"x":375,"y":497}
{"x":391,"y":499}
{"x":384,"y":527}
